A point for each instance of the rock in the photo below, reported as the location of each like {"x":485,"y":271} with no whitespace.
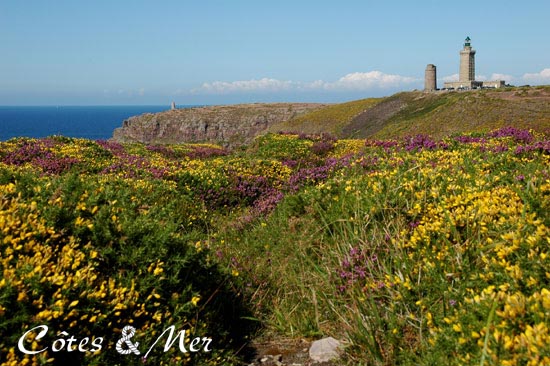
{"x":270,"y":360}
{"x":325,"y":349}
{"x":230,"y":125}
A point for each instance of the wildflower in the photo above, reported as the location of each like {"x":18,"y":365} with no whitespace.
{"x":195,"y":300}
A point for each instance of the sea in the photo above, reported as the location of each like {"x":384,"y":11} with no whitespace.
{"x":90,"y":122}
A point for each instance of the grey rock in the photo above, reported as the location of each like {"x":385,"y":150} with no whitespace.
{"x":230,"y":125}
{"x":325,"y":349}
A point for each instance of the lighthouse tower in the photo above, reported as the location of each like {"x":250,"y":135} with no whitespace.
{"x":467,"y":71}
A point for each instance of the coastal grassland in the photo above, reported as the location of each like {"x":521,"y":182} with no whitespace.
{"x":436,"y":114}
{"x":330,"y":119}
{"x":443,"y":114}
{"x":419,"y":251}
{"x":415,"y":251}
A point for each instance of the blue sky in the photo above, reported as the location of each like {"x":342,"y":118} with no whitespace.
{"x":219,"y":52}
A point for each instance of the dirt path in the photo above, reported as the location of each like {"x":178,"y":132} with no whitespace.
{"x":285,"y":352}
{"x":373,"y":119}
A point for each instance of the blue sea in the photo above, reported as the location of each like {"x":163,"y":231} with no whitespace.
{"x":91,"y":122}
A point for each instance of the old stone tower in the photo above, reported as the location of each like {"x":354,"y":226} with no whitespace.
{"x":467,"y":71}
{"x":430,"y":78}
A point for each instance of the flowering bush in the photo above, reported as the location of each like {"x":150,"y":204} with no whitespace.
{"x":419,"y":251}
{"x":89,"y":257}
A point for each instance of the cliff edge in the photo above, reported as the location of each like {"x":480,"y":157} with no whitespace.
{"x":229,"y":125}
{"x":406,"y":113}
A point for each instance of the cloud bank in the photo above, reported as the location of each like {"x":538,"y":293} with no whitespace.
{"x":368,"y":80}
{"x":505,"y":77}
{"x":264,"y":84}
{"x":541,"y":77}
{"x":537,"y":78}
{"x":449,"y":78}
{"x":495,"y":76}
{"x":357,"y":81}
{"x":352,"y":82}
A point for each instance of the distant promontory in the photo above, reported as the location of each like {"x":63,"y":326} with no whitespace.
{"x":229,"y":125}
{"x":405,"y":113}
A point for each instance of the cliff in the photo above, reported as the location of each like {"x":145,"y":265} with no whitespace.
{"x":227,"y":125}
{"x":407,"y":113}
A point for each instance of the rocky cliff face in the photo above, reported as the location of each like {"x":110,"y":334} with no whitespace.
{"x":227,"y":125}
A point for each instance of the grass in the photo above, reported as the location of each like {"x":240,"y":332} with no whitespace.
{"x":405,"y":257}
{"x":436,"y":114}
{"x":415,"y":251}
{"x":330,"y":119}
{"x":481,"y":111}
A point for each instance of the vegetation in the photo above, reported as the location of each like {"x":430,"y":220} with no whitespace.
{"x":436,"y":114}
{"x":416,"y":251}
{"x":477,"y":111}
{"x":330,"y":119}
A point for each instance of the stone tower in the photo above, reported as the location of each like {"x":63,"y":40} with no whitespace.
{"x":430,"y":78}
{"x":467,"y":71}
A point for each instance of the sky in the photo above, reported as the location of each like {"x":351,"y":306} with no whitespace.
{"x":122,"y":52}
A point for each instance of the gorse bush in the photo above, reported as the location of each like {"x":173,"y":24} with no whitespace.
{"x":425,"y":252}
{"x":88,"y":257}
{"x":416,"y":251}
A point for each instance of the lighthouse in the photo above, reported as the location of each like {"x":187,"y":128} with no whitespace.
{"x":467,"y":71}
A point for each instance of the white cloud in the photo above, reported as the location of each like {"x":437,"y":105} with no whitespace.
{"x":357,"y":81}
{"x":317,"y":84}
{"x":264,"y":84}
{"x":125,"y":92}
{"x":538,"y":78}
{"x":505,"y":77}
{"x":368,"y":80}
{"x":449,"y":78}
{"x":454,"y":77}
